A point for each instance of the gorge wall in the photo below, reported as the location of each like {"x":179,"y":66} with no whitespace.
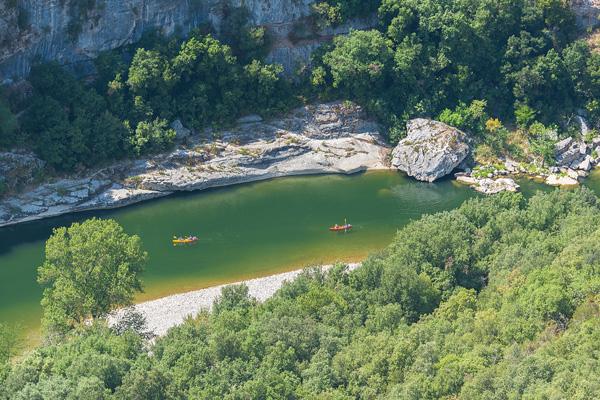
{"x":587,"y":12}
{"x":73,"y":32}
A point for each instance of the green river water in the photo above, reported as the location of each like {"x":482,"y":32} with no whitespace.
{"x":245,"y":231}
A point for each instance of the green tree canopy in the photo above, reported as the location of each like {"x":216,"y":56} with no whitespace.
{"x":497,"y":299}
{"x":89,"y":268}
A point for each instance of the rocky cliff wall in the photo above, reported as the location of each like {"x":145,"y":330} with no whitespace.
{"x":73,"y":32}
{"x":587,"y":12}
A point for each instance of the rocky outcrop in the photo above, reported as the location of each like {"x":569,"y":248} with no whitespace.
{"x":574,"y":159}
{"x":587,"y":12}
{"x":71,"y":33}
{"x":327,"y":138}
{"x":488,"y":185}
{"x":18,"y":168}
{"x":561,"y":180}
{"x":430,"y":150}
{"x":569,"y":153}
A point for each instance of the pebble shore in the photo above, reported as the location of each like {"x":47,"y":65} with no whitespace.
{"x":167,"y":312}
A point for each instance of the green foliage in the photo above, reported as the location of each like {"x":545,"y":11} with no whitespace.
{"x":430,"y":56}
{"x":152,"y":137}
{"x":89,"y":268}
{"x":90,"y":364}
{"x":335,"y":12}
{"x":69,"y":124}
{"x":524,"y":115}
{"x":359,"y":63}
{"x":9,"y":344}
{"x":499,"y":298}
{"x":470,"y":118}
{"x":128,"y":110}
{"x":234,"y":297}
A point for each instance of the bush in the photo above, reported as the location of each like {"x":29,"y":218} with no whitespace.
{"x":152,"y":137}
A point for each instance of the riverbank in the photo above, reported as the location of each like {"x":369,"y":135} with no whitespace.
{"x":334,"y":138}
{"x":166,"y":312}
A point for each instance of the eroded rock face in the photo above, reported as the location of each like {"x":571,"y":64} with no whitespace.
{"x":72,"y":34}
{"x":18,"y":169}
{"x":575,"y":155}
{"x":431,"y":150}
{"x":587,"y":12}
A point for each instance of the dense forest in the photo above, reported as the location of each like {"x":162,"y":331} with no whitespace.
{"x":465,"y":62}
{"x":497,"y":299}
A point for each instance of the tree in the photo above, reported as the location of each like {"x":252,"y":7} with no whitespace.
{"x":152,"y":137}
{"x":146,"y":72}
{"x":360,"y":62}
{"x":524,"y":115}
{"x":9,"y":342}
{"x":468,"y":118}
{"x":89,"y":268}
{"x":233,"y":297}
{"x":68,"y":124}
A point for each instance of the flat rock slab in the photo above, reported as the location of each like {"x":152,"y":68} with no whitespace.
{"x":303,"y":142}
{"x":558,"y":180}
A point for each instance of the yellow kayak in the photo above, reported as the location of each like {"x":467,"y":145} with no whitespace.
{"x":186,"y":240}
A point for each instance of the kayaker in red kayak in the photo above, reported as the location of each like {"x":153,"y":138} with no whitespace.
{"x":338,"y":228}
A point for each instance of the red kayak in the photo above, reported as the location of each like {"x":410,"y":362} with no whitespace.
{"x":339,"y":228}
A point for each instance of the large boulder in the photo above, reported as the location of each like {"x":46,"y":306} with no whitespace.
{"x":431,"y":150}
{"x":569,"y":153}
{"x":181,"y":132}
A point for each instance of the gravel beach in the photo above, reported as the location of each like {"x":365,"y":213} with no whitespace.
{"x":166,"y":312}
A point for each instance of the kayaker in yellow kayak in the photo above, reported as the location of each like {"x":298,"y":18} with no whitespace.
{"x":184,"y":240}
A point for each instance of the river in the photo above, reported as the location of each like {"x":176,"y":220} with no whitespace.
{"x":245,"y":231}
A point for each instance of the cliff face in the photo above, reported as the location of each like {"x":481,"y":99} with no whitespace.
{"x":73,"y":32}
{"x":587,"y":12}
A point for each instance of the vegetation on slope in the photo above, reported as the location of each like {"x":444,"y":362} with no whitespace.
{"x":518,"y":61}
{"x":128,"y":109}
{"x":497,"y":299}
{"x":433,"y":55}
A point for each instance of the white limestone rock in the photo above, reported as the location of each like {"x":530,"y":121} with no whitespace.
{"x":302,"y":142}
{"x":431,"y":150}
{"x":181,"y":132}
{"x":494,"y":186}
{"x":561,"y":180}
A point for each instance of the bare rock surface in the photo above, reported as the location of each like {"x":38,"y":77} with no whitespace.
{"x":587,"y":12}
{"x":561,"y":180}
{"x":73,"y":34}
{"x":18,"y":168}
{"x":325,"y":138}
{"x":431,"y":150}
{"x":488,"y":185}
